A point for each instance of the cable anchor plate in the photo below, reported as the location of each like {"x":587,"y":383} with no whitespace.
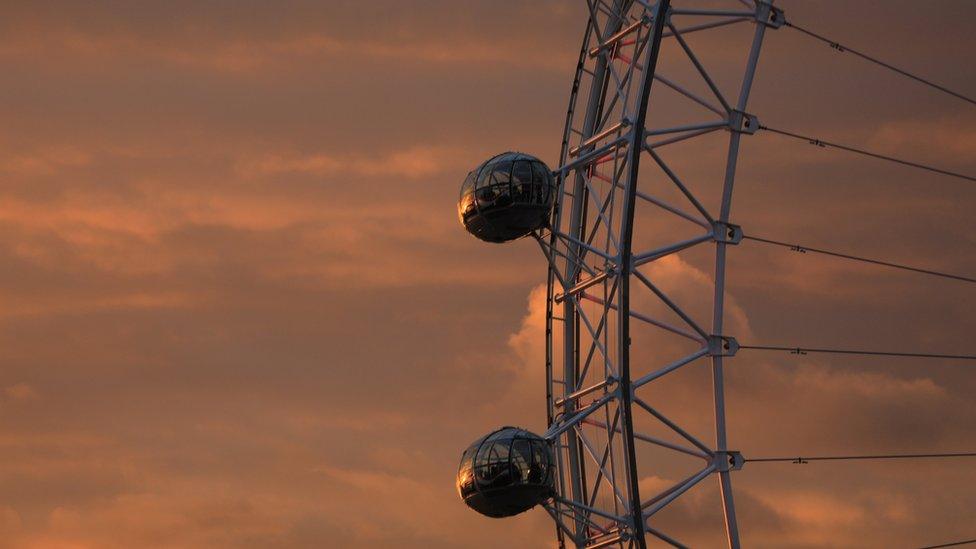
{"x":728,"y":460}
{"x":722,"y":345}
{"x":743,"y":122}
{"x":726,"y":232}
{"x":769,"y":15}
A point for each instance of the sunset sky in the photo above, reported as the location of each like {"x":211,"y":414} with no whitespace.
{"x":237,"y":308}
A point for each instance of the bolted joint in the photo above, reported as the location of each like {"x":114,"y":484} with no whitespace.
{"x":769,"y":15}
{"x":728,"y":460}
{"x":722,"y":345}
{"x":666,"y":15}
{"x":743,"y":122}
{"x":726,"y":232}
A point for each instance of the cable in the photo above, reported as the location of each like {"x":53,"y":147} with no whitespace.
{"x":838,"y":458}
{"x":841,"y":48}
{"x":953,"y":544}
{"x":805,"y":350}
{"x":804,"y":249}
{"x":822,"y":143}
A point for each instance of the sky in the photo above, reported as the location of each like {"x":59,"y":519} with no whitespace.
{"x":237,"y":308}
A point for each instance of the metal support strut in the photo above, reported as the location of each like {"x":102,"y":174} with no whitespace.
{"x":595,"y":389}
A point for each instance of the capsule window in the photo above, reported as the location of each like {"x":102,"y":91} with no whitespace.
{"x":499,"y":450}
{"x":488,"y":195}
{"x":522,"y":182}
{"x":466,"y":482}
{"x":501,"y":181}
{"x":466,"y":206}
{"x":501,"y":173}
{"x":522,"y":459}
{"x":540,"y":463}
{"x":483,"y":175}
{"x":495,"y":475}
{"x":467,"y":458}
{"x":540,"y":182}
{"x":468,"y":186}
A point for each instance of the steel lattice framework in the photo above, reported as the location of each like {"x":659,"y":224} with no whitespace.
{"x":597,"y":262}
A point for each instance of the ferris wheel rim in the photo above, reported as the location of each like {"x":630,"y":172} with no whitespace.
{"x":623,"y":252}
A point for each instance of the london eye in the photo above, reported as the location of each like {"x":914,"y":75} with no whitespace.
{"x":606,"y":218}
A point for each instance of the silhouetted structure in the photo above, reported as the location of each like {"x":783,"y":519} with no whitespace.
{"x":507,"y":197}
{"x":506,"y":472}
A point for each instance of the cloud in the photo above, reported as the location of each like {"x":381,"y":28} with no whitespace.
{"x":413,"y":163}
{"x":528,"y":343}
{"x":948,"y":140}
{"x":217,"y":47}
{"x":20,"y":392}
{"x":45,"y":162}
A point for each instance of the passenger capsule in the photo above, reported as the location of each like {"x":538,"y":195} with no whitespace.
{"x":507,"y":197}
{"x":506,"y":473}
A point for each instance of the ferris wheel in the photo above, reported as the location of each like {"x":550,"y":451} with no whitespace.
{"x":612,"y":221}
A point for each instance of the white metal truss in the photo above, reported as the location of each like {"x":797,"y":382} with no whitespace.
{"x":610,"y":147}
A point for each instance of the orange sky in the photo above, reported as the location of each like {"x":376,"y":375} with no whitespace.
{"x":238,"y":310}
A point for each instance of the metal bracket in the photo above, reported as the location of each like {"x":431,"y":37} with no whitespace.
{"x":770,"y":15}
{"x":743,"y":122}
{"x":666,"y":15}
{"x":582,"y":285}
{"x":610,"y":383}
{"x":726,"y":232}
{"x":722,"y":345}
{"x":728,"y":460}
